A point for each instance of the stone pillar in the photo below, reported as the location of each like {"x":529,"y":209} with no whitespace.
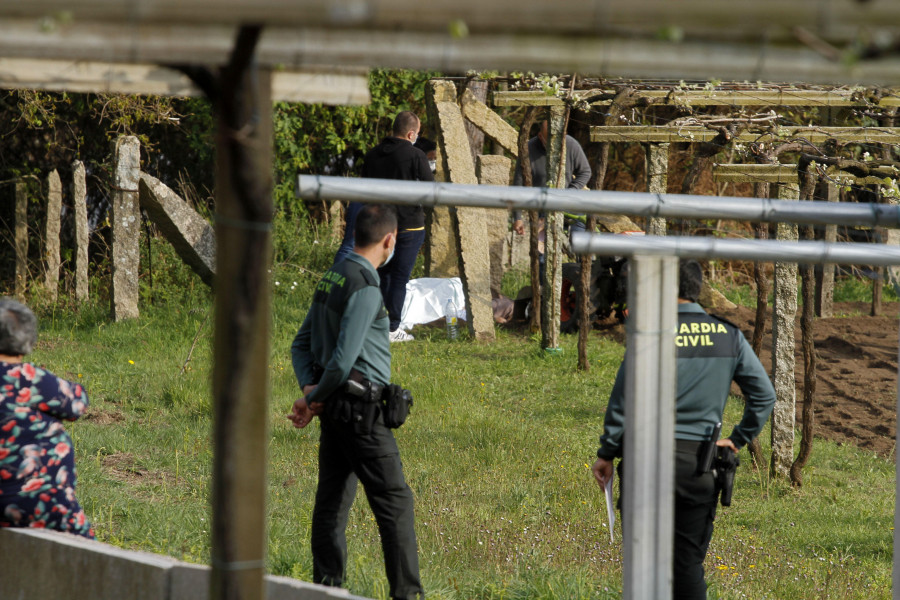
{"x":441,"y":249}
{"x":825,"y":273}
{"x":469,"y":223}
{"x":126,"y":229}
{"x":657,"y":175}
{"x":51,"y":237}
{"x":82,"y":233}
{"x":494,"y":170}
{"x":192,"y":237}
{"x":783,"y":354}
{"x":553,"y":229}
{"x":21,"y":240}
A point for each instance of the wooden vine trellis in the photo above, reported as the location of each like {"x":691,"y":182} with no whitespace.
{"x":744,"y":119}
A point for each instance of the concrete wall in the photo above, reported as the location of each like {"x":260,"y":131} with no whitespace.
{"x":42,"y":564}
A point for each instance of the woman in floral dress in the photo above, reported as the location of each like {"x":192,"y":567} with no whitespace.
{"x":37,"y":460}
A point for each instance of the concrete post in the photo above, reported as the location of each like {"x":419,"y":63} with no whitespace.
{"x":470,"y":224}
{"x":825,"y":275}
{"x":126,"y":229}
{"x":82,"y":233}
{"x":21,"y":240}
{"x":649,"y":480}
{"x":657,"y":163}
{"x":551,"y":290}
{"x":783,"y":355}
{"x":494,"y":170}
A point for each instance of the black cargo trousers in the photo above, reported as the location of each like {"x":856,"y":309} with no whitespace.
{"x":371,"y":456}
{"x":696,"y":497}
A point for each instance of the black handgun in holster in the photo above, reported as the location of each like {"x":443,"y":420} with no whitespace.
{"x":726,"y":465}
{"x":355,"y":403}
{"x":709,"y":451}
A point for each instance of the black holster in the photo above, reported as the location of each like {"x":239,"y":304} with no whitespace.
{"x":397,"y":403}
{"x":357,"y":402}
{"x":726,"y":465}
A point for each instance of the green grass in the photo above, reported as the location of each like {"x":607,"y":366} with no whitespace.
{"x":846,"y":289}
{"x":497,"y":451}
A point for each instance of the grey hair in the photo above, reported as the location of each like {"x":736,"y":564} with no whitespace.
{"x":18,"y":328}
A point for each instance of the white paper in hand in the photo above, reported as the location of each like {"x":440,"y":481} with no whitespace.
{"x":610,"y":506}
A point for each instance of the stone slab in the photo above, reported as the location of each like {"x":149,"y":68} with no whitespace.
{"x":192,"y":237}
{"x":126,"y":229}
{"x":495,"y":170}
{"x":85,"y":569}
{"x":51,"y":235}
{"x":82,"y":231}
{"x":81,"y":569}
{"x":470,"y":223}
{"x":711,"y":298}
{"x":441,"y":250}
{"x":490,"y":122}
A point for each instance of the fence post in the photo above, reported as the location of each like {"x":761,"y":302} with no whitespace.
{"x":126,"y":229}
{"x":21,"y":239}
{"x":783,"y":359}
{"x":648,"y":510}
{"x":79,"y":195}
{"x":825,"y":273}
{"x":657,"y":175}
{"x":51,"y":234}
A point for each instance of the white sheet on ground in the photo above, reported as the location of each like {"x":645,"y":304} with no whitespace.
{"x":426,"y":300}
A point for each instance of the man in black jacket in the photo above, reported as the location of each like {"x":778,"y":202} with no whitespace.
{"x":396,"y":158}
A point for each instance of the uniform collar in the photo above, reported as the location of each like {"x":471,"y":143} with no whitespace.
{"x":366,"y":264}
{"x":690,"y":307}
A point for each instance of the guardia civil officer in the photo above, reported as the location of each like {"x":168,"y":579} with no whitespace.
{"x":342,"y":360}
{"x":711,"y":353}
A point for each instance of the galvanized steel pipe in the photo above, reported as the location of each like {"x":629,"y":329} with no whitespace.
{"x":736,"y":249}
{"x":635,"y":204}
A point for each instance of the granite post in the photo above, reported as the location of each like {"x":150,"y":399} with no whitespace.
{"x":21,"y":240}
{"x":783,"y":353}
{"x":657,"y":175}
{"x":469,"y":223}
{"x":82,"y":233}
{"x":441,"y":248}
{"x":51,"y":235}
{"x":126,"y":229}
{"x":493,"y":169}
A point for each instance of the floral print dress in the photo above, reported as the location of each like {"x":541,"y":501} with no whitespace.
{"x":37,"y":460}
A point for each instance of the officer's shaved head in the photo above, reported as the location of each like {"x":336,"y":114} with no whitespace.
{"x":373,"y":222}
{"x":690,"y":280}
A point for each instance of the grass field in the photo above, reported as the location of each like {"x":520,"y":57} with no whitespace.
{"x":497,"y":451}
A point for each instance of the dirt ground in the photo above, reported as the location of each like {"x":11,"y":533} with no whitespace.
{"x":856,"y":388}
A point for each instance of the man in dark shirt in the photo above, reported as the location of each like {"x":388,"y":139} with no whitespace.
{"x":396,"y":158}
{"x":578,"y":170}
{"x":711,"y":353}
{"x":342,"y":360}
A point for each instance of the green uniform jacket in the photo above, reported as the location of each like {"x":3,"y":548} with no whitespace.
{"x":346,"y":327}
{"x":711,"y":354}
